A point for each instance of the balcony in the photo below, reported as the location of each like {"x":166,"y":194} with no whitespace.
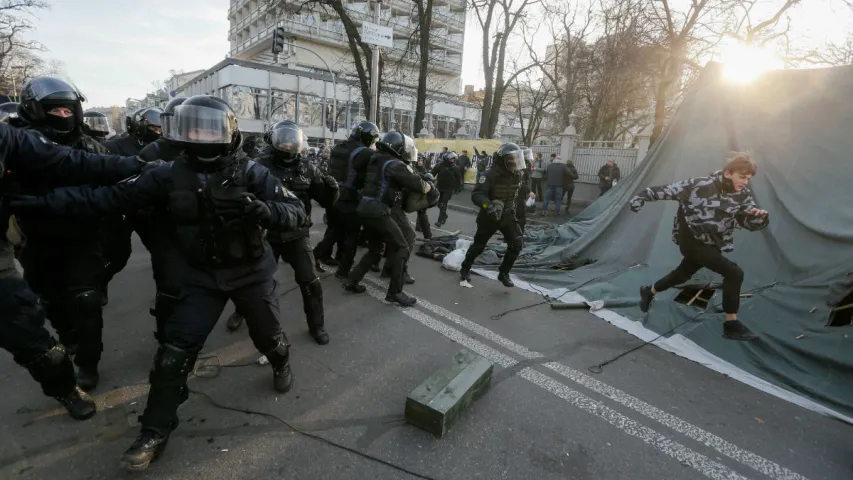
{"x":328,"y":32}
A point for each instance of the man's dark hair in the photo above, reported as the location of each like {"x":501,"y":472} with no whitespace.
{"x":553,"y":155}
{"x":741,"y":162}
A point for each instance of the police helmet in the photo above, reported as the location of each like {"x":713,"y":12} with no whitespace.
{"x":402,"y":146}
{"x":286,"y":138}
{"x":528,"y":155}
{"x":45,"y":94}
{"x":9,"y":114}
{"x":169,"y":111}
{"x":95,"y":124}
{"x":510,"y":157}
{"x":451,"y":156}
{"x":147,"y":124}
{"x":365,"y":132}
{"x":206,"y":126}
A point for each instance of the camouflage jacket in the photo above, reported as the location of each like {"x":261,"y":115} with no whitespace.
{"x":711,"y":209}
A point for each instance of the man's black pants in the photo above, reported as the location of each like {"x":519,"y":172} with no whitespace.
{"x":396,"y":234}
{"x":67,"y":277}
{"x":486,"y":227}
{"x":443,"y":201}
{"x":300,"y":256}
{"x":344,"y":225}
{"x":698,"y":255}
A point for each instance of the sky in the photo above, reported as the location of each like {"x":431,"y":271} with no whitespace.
{"x":115,"y":49}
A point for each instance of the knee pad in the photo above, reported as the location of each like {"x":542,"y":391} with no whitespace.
{"x":86,"y":301}
{"x":50,"y":358}
{"x":515,"y":244}
{"x":172,"y":365}
{"x":315,"y":289}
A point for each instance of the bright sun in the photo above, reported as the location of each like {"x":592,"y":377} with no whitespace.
{"x":744,"y":63}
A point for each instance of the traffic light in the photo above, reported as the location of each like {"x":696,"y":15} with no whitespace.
{"x":278,"y":40}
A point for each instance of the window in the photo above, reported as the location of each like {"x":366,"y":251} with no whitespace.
{"x":403,"y":121}
{"x":384,"y":124}
{"x":439,"y":123}
{"x":357,"y":114}
{"x":247,"y":102}
{"x":310,"y":110}
{"x":283,"y":106}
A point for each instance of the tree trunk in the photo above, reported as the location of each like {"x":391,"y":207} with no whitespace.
{"x":425,"y":15}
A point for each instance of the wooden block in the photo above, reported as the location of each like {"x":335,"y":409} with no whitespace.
{"x":436,"y":404}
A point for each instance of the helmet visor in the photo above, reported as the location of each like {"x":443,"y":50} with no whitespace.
{"x":165,"y":121}
{"x":287,"y":139}
{"x":97,"y":124}
{"x":56,"y":88}
{"x":514,"y":160}
{"x":199,"y":124}
{"x":528,"y":155}
{"x":411,"y":150}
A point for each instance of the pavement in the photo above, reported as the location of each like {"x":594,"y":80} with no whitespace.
{"x":649,"y":416}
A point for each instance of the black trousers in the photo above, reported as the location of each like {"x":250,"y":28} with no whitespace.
{"x":344,"y":225}
{"x":698,"y":255}
{"x":569,"y":192}
{"x":486,"y":227}
{"x":422,"y":224}
{"x":300,"y":256}
{"x":22,"y":334}
{"x":536,"y":186}
{"x":604,"y":189}
{"x":443,"y":201}
{"x":394,"y":233}
{"x":67,"y":276}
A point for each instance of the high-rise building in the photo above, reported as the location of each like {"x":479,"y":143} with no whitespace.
{"x":299,"y":86}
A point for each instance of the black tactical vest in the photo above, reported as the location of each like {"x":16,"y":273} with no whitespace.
{"x":296,"y":177}
{"x":341,"y":167}
{"x":505,"y":187}
{"x":376,"y":182}
{"x":205,"y":236}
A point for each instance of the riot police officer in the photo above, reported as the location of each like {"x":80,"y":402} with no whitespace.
{"x":96,"y":125}
{"x":495,"y":194}
{"x":26,"y":160}
{"x":143,"y":127}
{"x":62,"y":257}
{"x":163,"y":148}
{"x":220,"y":203}
{"x":307,"y":183}
{"x":389,"y":181}
{"x":347,"y":164}
{"x":449,"y":178}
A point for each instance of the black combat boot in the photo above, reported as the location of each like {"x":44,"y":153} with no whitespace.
{"x":234,"y":321}
{"x":88,"y":377}
{"x":55,"y":372}
{"x":319,"y":267}
{"x":505,"y":280}
{"x":282,"y":376}
{"x":465,"y":274}
{"x":169,"y":390}
{"x":400,"y":299}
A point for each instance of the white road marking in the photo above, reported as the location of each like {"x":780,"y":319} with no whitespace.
{"x":752,"y":460}
{"x":699,"y":462}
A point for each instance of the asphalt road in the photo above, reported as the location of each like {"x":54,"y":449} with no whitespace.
{"x":650,"y":416}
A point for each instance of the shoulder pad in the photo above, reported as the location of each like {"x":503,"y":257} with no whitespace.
{"x":482,"y":179}
{"x":409,"y":168}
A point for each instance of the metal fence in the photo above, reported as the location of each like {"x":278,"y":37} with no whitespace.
{"x":546,"y":150}
{"x":589,"y":160}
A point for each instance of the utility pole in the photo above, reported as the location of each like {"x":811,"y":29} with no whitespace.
{"x":374,"y":70}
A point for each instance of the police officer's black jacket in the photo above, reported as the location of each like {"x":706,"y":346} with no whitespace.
{"x":198,"y":197}
{"x":38,"y":227}
{"x":388,"y":181}
{"x":161,"y":149}
{"x":126,"y":145}
{"x":447,"y":175}
{"x":349,"y":174}
{"x":497,"y":184}
{"x":304,"y":180}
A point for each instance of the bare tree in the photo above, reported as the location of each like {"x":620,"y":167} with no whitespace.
{"x":837,"y":54}
{"x":15,"y":51}
{"x":533,"y":103}
{"x":498,"y":20}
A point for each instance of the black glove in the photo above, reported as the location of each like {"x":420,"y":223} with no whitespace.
{"x":330,"y":182}
{"x":256,"y":210}
{"x":152,"y":165}
{"x":25,"y":203}
{"x":495,"y":209}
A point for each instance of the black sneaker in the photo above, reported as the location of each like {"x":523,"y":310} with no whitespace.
{"x":320,"y":335}
{"x":734,"y":330}
{"x":646,"y":297}
{"x":400,"y":299}
{"x":87,"y":377}
{"x":79,"y":405}
{"x":148,"y":447}
{"x":234,"y":321}
{"x":408,"y":279}
{"x":438,"y":224}
{"x":354,"y":287}
{"x":504,"y":278}
{"x":465,"y":274}
{"x":319,"y":267}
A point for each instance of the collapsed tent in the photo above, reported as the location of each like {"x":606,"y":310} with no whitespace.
{"x":799,"y":270}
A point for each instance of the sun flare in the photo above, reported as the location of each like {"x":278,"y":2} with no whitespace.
{"x":744,"y":63}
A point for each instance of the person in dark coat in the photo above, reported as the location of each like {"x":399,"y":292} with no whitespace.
{"x":569,"y":183}
{"x":608,"y":175}
{"x":448,"y":177}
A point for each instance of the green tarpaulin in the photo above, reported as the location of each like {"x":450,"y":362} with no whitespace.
{"x":799,"y":126}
